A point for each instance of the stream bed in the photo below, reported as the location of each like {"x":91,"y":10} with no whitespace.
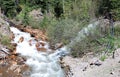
{"x":37,"y":53}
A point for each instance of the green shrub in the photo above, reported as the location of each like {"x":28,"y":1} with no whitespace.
{"x":42,"y":24}
{"x":88,"y":44}
{"x":63,"y":31}
{"x":117,"y":30}
{"x":103,"y":57}
{"x":5,"y":40}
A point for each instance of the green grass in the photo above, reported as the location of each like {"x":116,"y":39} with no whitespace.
{"x":103,"y":57}
{"x":5,"y":40}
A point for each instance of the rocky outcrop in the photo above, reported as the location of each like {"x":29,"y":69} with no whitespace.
{"x":11,"y":64}
{"x":37,"y":33}
{"x":36,"y":15}
{"x":5,"y":34}
{"x":4,"y":28}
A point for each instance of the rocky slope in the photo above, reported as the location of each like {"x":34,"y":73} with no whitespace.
{"x":11,"y":64}
{"x":92,"y":66}
{"x":4,"y":27}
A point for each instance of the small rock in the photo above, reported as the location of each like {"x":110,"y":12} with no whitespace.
{"x":14,"y":62}
{"x":20,"y":60}
{"x":2,"y":55}
{"x":91,"y":63}
{"x":85,"y":69}
{"x":14,"y":44}
{"x":21,"y":39}
{"x":43,"y":44}
{"x":30,"y":42}
{"x":97,"y":63}
{"x":118,"y":61}
{"x":13,"y":57}
{"x":42,"y":49}
{"x":58,"y":45}
{"x":12,"y":36}
{"x":112,"y":73}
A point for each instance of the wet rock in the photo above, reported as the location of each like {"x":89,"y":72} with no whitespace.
{"x":25,"y":71}
{"x":68,"y":71}
{"x":66,"y":68}
{"x":14,"y":44}
{"x":38,"y":34}
{"x":14,"y":53}
{"x":30,"y":42}
{"x":42,"y":49}
{"x":21,"y":39}
{"x":42,"y":44}
{"x":37,"y":44}
{"x":5,"y":50}
{"x":12,"y":36}
{"x":58,"y":45}
{"x":17,"y":69}
{"x":20,"y":60}
{"x":13,"y":57}
{"x":3,"y":55}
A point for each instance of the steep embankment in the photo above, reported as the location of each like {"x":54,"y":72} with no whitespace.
{"x":11,"y":63}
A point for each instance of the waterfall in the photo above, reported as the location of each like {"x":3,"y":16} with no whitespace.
{"x":41,"y":63}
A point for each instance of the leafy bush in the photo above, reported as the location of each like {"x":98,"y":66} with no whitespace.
{"x":107,"y":6}
{"x":63,"y":31}
{"x":41,"y":24}
{"x":10,"y":8}
{"x":88,"y":44}
{"x":103,"y":57}
{"x":5,"y":40}
{"x":117,"y":30}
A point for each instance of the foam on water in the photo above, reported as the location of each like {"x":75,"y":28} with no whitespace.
{"x":41,"y":63}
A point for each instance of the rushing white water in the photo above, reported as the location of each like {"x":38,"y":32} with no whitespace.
{"x":41,"y":63}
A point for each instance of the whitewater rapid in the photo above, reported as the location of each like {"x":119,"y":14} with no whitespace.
{"x":42,"y":64}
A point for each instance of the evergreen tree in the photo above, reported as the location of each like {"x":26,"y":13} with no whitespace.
{"x":9,"y":8}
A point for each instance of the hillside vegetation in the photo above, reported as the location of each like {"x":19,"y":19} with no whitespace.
{"x":63,"y":19}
